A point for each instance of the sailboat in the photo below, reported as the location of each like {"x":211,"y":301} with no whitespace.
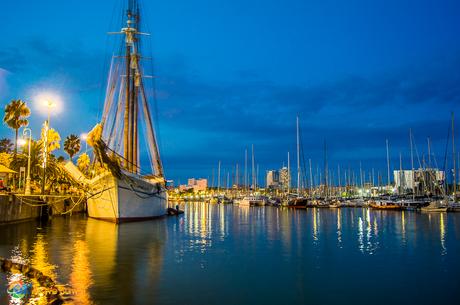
{"x":122,"y":190}
{"x":298,"y":202}
{"x":253,"y":199}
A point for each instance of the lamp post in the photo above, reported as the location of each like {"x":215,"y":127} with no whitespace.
{"x":48,"y":105}
{"x":84,"y":137}
{"x":27,"y":188}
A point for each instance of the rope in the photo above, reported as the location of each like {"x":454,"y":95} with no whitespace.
{"x":153,"y":194}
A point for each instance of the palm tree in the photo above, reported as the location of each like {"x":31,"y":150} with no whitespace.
{"x":16,"y":114}
{"x":5,"y":145}
{"x":72,"y":145}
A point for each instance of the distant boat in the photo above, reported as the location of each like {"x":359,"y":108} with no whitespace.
{"x":454,"y":206}
{"x":298,"y":203}
{"x":251,"y":201}
{"x":435,"y":206}
{"x":335,"y":203}
{"x":384,"y":205}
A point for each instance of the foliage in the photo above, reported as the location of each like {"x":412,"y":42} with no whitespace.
{"x":5,"y":159}
{"x":53,"y":139}
{"x":83,"y":162}
{"x":72,"y":145}
{"x":54,"y":172}
{"x":16,"y":114}
{"x":5,"y":145}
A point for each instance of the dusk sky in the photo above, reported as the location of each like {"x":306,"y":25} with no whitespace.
{"x":235,"y":73}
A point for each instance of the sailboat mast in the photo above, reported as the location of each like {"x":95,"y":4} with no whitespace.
{"x":429,"y":152}
{"x":131,"y":83}
{"x":253,"y":170}
{"x":326,"y":171}
{"x":400,"y":173}
{"x":288,"y":173}
{"x":412,"y":164}
{"x":237,"y":176}
{"x":135,"y":104}
{"x":298,"y":156}
{"x":453,"y":158}
{"x":311,"y":179}
{"x":126,"y":118}
{"x":388,"y":164}
{"x":338,"y":177}
{"x":246,"y":169}
{"x":218,"y":177}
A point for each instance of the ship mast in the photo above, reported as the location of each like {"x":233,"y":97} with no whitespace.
{"x":129,"y":126}
{"x":135,"y":94}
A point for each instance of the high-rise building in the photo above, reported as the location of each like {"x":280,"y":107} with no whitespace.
{"x":273,"y":179}
{"x":284,"y":178}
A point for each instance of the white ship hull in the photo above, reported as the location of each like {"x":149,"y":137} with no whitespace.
{"x":129,"y":199}
{"x":251,"y":201}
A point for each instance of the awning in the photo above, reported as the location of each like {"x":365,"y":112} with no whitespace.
{"x":4,"y":169}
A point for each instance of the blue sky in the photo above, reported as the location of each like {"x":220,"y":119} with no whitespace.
{"x":235,"y":73}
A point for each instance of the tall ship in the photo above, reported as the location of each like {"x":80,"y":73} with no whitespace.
{"x":120,"y":190}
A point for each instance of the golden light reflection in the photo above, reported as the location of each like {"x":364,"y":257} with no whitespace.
{"x":315,"y":224}
{"x":80,"y":278}
{"x":222,"y":221}
{"x":403,"y":226}
{"x":376,"y":227}
{"x":40,"y":256}
{"x":442,"y":232}
{"x":339,"y":226}
{"x":101,"y":242}
{"x":360,"y":234}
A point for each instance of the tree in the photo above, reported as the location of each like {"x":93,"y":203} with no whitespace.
{"x":53,"y":139}
{"x":16,"y":114}
{"x":83,"y":162}
{"x":54,"y":171}
{"x":72,"y":145}
{"x":5,"y":159}
{"x":6,"y":146}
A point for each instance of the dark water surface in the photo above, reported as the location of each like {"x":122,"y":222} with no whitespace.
{"x":223,"y":254}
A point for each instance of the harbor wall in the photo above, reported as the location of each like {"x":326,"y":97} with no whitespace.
{"x":13,"y":209}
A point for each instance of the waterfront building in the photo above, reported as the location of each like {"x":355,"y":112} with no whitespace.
{"x":273,"y":179}
{"x":197,"y":184}
{"x":284,"y":178}
{"x":420,"y":181}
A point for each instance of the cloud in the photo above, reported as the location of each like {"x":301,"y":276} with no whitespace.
{"x":203,"y":120}
{"x":354,"y":115}
{"x":3,"y":83}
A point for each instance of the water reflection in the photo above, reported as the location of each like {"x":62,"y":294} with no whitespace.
{"x":39,"y":257}
{"x":214,"y":248}
{"x":442,"y":233}
{"x":91,"y":256}
{"x":80,"y":278}
{"x":339,"y":228}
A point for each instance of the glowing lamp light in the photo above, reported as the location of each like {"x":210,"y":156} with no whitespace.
{"x":84,"y":136}
{"x":22,"y":142}
{"x":48,"y":103}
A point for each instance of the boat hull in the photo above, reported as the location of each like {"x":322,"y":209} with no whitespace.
{"x":129,"y":199}
{"x":434,"y":210}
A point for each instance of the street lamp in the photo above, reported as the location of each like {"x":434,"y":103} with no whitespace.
{"x":49,"y":105}
{"x":24,"y":133}
{"x":84,"y":137}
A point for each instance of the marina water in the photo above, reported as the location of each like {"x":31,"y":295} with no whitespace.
{"x":224,"y":254}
